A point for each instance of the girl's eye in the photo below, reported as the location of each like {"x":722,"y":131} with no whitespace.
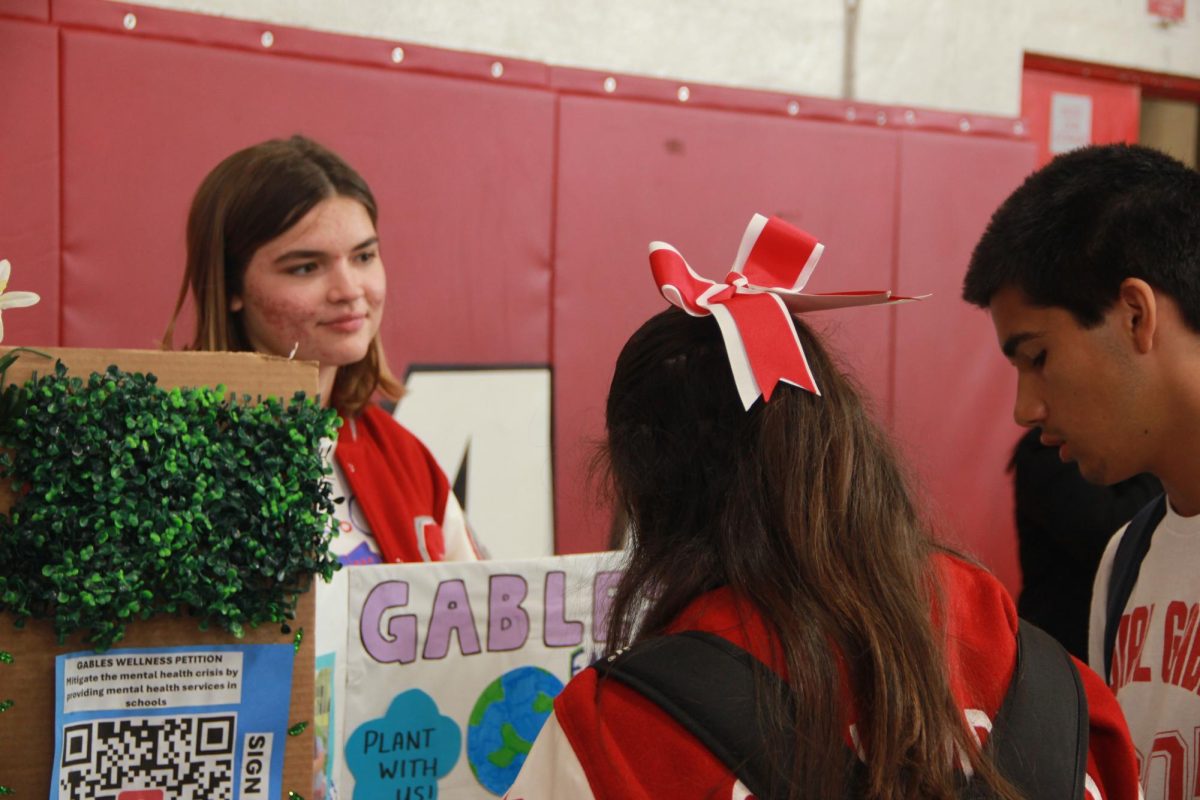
{"x":366,"y":256}
{"x":302,"y":269}
{"x":1039,"y":360}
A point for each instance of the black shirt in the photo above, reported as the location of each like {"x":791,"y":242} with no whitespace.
{"x":1063,"y":524}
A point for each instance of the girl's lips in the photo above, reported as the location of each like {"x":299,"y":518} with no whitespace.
{"x":348,"y":324}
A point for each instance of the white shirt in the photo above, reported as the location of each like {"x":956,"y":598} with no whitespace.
{"x":1156,"y":659}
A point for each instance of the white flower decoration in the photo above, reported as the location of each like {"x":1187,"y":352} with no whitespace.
{"x":12,"y":299}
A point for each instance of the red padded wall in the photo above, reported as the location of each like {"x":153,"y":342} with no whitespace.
{"x":29,"y":175}
{"x":630,"y":173}
{"x":26,"y":9}
{"x":516,"y":207}
{"x":954,"y":391}
{"x":461,"y":170}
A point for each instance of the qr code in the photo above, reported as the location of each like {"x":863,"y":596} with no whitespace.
{"x":149,"y":758}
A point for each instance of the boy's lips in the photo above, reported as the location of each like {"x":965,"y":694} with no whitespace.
{"x":1057,"y":441}
{"x":1049,"y":440}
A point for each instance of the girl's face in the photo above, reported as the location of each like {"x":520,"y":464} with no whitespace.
{"x":318,"y":288}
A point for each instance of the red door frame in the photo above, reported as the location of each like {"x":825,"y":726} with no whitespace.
{"x":1153,"y":84}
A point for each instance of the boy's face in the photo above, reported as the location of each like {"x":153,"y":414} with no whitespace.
{"x":1079,"y":385}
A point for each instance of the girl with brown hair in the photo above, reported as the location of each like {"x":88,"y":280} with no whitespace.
{"x":785,"y":527}
{"x":283,"y":258}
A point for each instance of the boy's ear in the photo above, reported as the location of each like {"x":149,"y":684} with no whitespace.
{"x":1138,"y":304}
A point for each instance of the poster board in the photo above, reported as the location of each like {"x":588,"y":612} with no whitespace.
{"x":442,"y":674}
{"x":27,"y":730}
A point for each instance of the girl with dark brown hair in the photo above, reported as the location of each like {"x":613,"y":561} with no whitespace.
{"x":788,"y":530}
{"x":283,"y":258}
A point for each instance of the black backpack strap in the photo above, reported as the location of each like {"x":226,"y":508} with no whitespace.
{"x":1127,"y":562}
{"x":706,"y":684}
{"x":1039,"y":738}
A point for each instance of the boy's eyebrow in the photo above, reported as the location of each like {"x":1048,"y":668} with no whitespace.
{"x":1009,"y":348}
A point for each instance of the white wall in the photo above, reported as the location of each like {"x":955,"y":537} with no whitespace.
{"x":962,"y":55}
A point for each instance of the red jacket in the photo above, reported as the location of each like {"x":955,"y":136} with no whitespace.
{"x":609,"y":741}
{"x":402,"y":491}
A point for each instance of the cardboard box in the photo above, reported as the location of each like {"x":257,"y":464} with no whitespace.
{"x":26,"y":728}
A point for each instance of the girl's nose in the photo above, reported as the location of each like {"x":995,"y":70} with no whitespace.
{"x":344,"y":285}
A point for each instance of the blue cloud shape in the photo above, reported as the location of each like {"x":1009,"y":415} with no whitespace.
{"x":405,"y":752}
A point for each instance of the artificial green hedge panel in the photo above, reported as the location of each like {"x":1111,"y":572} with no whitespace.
{"x":133,"y":500}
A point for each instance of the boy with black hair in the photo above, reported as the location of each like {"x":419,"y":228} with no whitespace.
{"x":1091,"y":273}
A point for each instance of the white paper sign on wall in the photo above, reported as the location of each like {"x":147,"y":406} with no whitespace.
{"x":1070,"y":121}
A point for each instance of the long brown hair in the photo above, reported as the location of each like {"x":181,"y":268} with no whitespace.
{"x":800,"y":507}
{"x":250,"y":198}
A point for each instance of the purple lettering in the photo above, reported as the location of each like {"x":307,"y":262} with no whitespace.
{"x":508,"y":622}
{"x":560,"y":631}
{"x":400,"y":642}
{"x":451,"y":612}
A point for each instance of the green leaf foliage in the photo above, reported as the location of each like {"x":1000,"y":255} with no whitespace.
{"x":133,"y":501}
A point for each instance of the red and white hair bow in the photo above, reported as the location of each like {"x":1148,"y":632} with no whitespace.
{"x":754,"y":304}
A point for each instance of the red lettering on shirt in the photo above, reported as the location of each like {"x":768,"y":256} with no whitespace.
{"x":1181,"y":646}
{"x":1131,"y":639}
{"x":1191,"y":671}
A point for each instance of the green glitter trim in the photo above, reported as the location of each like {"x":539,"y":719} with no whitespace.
{"x":299,"y":638}
{"x":298,"y":728}
{"x":5,"y":658}
{"x":294,"y":796}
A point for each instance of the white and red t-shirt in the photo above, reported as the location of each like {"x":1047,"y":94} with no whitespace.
{"x":607,"y":741}
{"x":1156,"y":658}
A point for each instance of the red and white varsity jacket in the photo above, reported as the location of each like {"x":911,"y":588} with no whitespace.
{"x":402,"y":491}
